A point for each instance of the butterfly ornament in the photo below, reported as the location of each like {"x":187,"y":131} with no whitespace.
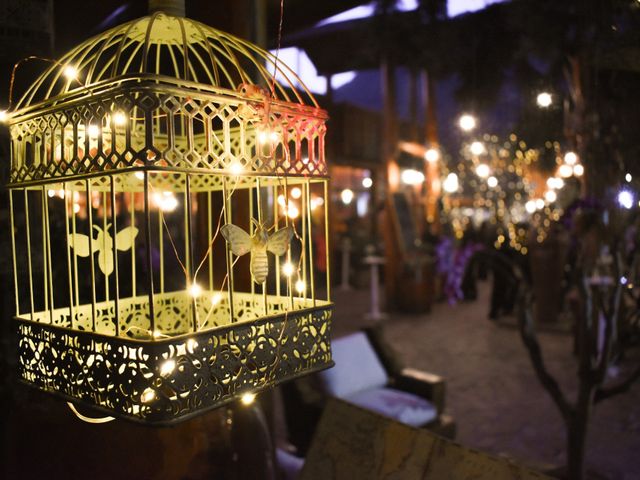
{"x":258,"y":245}
{"x":83,"y":245}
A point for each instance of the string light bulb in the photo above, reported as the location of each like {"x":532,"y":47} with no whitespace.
{"x":467,"y":122}
{"x":167,"y":367}
{"x":300,"y":286}
{"x":346,"y":196}
{"x":544,"y":99}
{"x":119,"y":119}
{"x":483,"y":170}
{"x":296,"y":192}
{"x":248,"y":398}
{"x":70,"y":72}
{"x":570,"y":158}
{"x":287,"y":269}
{"x":432,"y":155}
{"x":477,"y":148}
{"x":195,"y":290}
{"x":4,"y":116}
{"x":216,"y":299}
{"x":492,"y":182}
{"x":148,"y":396}
{"x":578,"y":170}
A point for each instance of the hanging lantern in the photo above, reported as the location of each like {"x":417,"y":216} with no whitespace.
{"x":157,"y":274}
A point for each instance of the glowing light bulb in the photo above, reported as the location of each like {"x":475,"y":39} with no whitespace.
{"x":467,"y":122}
{"x":565,"y":171}
{"x":287,"y":269}
{"x":539,"y":203}
{"x":477,"y":148}
{"x":216,"y":299}
{"x":167,"y":367}
{"x":570,"y":158}
{"x":296,"y":193}
{"x":346,"y":196}
{"x":412,"y":177}
{"x":148,"y":396}
{"x":119,"y":119}
{"x":578,"y":170}
{"x":432,"y":155}
{"x":4,"y":116}
{"x":550,"y":196}
{"x":139,"y":175}
{"x":544,"y":99}
{"x":51,"y":193}
{"x":263,"y":137}
{"x":292,"y":211}
{"x":483,"y":170}
{"x":282,"y":201}
{"x":76,"y":208}
{"x":248,"y":398}
{"x":367,"y":182}
{"x":195,"y":290}
{"x":530,"y":206}
{"x":492,"y":182}
{"x":70,"y":73}
{"x":300,"y":286}
{"x":93,"y":130}
{"x":235,"y":168}
{"x":628,"y":177}
{"x":451,"y":183}
{"x":626,"y":199}
{"x":313,"y":204}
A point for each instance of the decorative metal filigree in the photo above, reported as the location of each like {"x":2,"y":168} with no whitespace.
{"x":168,"y":379}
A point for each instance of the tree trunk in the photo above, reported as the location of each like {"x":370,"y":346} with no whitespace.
{"x":577,"y":424}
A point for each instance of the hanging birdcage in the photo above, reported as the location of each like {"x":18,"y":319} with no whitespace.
{"x":169,"y":221}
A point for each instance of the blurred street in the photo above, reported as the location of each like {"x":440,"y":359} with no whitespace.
{"x":492,"y":391}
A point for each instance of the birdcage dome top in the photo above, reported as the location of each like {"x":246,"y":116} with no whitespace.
{"x":172,"y":49}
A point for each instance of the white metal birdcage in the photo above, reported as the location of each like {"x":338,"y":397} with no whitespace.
{"x":145,"y":163}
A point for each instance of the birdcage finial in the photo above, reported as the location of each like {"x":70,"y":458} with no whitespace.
{"x":172,"y":7}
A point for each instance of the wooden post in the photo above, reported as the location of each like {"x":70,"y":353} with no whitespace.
{"x":391,"y":172}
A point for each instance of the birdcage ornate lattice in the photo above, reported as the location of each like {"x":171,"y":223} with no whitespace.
{"x":145,"y":164}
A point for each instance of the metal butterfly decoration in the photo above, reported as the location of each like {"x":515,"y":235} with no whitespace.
{"x":258,"y":245}
{"x":103,"y":244}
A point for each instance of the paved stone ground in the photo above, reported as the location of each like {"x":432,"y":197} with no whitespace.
{"x":493,"y":393}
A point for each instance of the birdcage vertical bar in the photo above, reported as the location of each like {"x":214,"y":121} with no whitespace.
{"x":161,"y":246}
{"x":326,"y":237}
{"x":114,"y":246}
{"x":104,"y":242}
{"x":49,"y":259}
{"x":307,"y":196}
{"x":13,"y":252}
{"x":75,"y":255}
{"x":29,"y":260}
{"x":67,"y":194}
{"x":89,"y":206}
{"x":147,"y":238}
{"x":210,"y":237}
{"x":259,"y":205}
{"x":227,"y":218}
{"x":276,"y":225}
{"x":303,"y":254}
{"x":189,"y":253}
{"x":132,"y":222}
{"x":45,"y":256}
{"x":286,"y":222}
{"x":251,"y":228}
